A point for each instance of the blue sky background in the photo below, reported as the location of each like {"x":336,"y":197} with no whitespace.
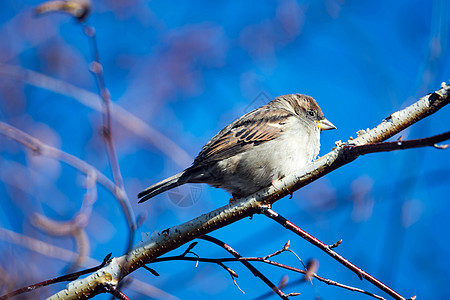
{"x":187,"y":69}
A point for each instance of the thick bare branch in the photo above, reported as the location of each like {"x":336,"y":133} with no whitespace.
{"x":169,"y":239}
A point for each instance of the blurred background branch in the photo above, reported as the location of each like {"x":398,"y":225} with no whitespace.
{"x":176,"y":77}
{"x":261,"y":202}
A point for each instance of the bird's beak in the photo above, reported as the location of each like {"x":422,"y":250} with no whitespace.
{"x":325,"y":125}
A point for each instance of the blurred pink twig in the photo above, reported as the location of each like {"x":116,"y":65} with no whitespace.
{"x":97,"y":70}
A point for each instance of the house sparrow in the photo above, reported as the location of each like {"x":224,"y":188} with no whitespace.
{"x":260,"y":147}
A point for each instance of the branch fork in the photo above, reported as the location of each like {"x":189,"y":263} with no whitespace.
{"x":261,"y":201}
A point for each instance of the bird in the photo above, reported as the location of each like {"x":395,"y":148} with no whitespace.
{"x":257,"y":149}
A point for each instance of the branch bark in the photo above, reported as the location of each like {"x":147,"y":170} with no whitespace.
{"x":162,"y":242}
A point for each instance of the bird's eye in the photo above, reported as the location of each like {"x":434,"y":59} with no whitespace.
{"x":311,"y":113}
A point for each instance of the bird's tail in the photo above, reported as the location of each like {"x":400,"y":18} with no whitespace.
{"x":161,"y":186}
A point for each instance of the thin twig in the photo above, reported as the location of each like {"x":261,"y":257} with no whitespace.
{"x":285,"y":248}
{"x":245,"y":260}
{"x":108,"y":288}
{"x":97,"y":70}
{"x":68,"y":277}
{"x":270,"y":262}
{"x":327,"y":249}
{"x":248,"y":265}
{"x":431,"y":141}
{"x":62,"y":254}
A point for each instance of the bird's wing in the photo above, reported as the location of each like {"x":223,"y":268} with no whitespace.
{"x":252,"y":129}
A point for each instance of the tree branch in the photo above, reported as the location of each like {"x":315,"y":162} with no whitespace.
{"x":246,"y":261}
{"x":402,"y":145}
{"x":119,"y":114}
{"x":68,"y":277}
{"x":171,"y":238}
{"x":248,"y":265}
{"x":327,"y":249}
{"x":40,"y":148}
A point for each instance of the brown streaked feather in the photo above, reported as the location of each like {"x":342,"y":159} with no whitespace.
{"x":252,"y":129}
{"x":290,"y":122}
